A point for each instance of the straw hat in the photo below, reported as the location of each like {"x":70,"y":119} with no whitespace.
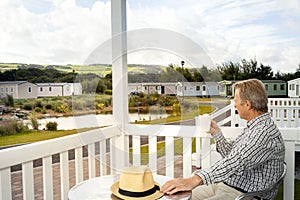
{"x":136,"y":183}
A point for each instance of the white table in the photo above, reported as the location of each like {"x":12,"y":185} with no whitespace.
{"x":99,"y":188}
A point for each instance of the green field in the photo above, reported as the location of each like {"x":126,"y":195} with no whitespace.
{"x":99,"y":69}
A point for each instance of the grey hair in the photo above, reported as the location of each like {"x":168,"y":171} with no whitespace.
{"x":255,"y":92}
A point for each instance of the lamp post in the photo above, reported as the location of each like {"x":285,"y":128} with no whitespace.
{"x":73,"y":92}
{"x":182,"y":87}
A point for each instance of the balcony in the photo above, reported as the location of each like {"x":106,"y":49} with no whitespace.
{"x":50,"y":168}
{"x":69,"y":160}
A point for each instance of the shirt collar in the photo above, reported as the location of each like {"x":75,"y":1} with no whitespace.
{"x":257,"y":120}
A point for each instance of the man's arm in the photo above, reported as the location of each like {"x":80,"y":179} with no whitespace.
{"x":223,"y":146}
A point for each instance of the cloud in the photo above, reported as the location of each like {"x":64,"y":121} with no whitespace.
{"x":66,"y":34}
{"x":66,"y":31}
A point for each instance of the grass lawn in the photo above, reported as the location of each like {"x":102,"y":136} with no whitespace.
{"x":35,"y":136}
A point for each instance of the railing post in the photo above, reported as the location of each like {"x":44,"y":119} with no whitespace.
{"x":5,"y":184}
{"x":288,"y":188}
{"x":48,"y":178}
{"x":64,"y":175}
{"x":187,"y":157}
{"x":233,"y":113}
{"x":169,"y":156}
{"x":203,"y":124}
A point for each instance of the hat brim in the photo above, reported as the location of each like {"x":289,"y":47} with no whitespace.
{"x":115,"y":190}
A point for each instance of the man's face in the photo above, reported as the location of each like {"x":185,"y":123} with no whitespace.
{"x":240,"y":105}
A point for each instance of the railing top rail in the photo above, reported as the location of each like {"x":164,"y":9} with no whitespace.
{"x":220,"y":111}
{"x":161,"y":130}
{"x":288,"y":134}
{"x":11,"y":156}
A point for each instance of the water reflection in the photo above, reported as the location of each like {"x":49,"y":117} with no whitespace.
{"x":92,"y":120}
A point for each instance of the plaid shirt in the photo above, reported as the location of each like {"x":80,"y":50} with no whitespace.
{"x":251,"y":162}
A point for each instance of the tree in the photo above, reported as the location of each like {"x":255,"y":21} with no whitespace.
{"x":297,"y":74}
{"x":264,"y":73}
{"x":170,"y":74}
{"x":249,"y":69}
{"x":230,"y":71}
{"x":9,"y":100}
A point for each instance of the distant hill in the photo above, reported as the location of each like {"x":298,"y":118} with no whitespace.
{"x":99,"y":69}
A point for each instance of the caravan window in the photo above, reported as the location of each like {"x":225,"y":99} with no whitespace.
{"x":292,"y":87}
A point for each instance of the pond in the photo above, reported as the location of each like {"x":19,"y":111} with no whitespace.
{"x":91,"y":120}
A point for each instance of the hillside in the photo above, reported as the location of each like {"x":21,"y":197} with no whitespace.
{"x":99,"y":69}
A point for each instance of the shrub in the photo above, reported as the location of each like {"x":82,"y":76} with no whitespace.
{"x":9,"y":101}
{"x":109,"y":92}
{"x":51,"y":126}
{"x":38,"y":109}
{"x":12,"y":127}
{"x":62,"y":108}
{"x":28,"y":106}
{"x":38,"y":103}
{"x":48,"y":106}
{"x":34,"y":121}
{"x":99,"y":106}
{"x":44,"y":111}
{"x":176,"y":109}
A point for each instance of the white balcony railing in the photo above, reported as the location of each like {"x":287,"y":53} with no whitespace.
{"x":58,"y":172}
{"x":27,"y":154}
{"x":285,"y":111}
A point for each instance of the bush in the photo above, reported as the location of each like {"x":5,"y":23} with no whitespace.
{"x":34,"y":121}
{"x":99,"y":106}
{"x":38,"y":109}
{"x":61,"y":107}
{"x":176,"y":109}
{"x":12,"y":127}
{"x":48,"y":106}
{"x":44,"y":111}
{"x":28,"y":106}
{"x":9,"y":101}
{"x":109,"y":92}
{"x":38,"y":103}
{"x":51,"y":126}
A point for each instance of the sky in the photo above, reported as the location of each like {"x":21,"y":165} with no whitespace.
{"x":68,"y":31}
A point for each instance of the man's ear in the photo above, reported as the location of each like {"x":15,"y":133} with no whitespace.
{"x":248,"y":104}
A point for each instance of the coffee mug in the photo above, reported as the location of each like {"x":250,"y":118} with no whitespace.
{"x":204,"y":122}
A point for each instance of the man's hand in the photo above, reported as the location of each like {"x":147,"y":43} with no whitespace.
{"x":181,"y":184}
{"x":214,"y":128}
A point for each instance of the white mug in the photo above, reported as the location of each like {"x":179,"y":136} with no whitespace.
{"x":204,"y":122}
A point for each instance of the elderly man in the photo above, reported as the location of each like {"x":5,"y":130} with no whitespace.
{"x":251,"y":162}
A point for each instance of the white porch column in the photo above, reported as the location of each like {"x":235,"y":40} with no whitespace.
{"x":119,"y":150}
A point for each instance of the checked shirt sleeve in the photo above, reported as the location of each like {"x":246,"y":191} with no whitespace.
{"x":247,"y":151}
{"x":223,"y":146}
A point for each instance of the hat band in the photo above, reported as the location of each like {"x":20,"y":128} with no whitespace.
{"x":139,"y":194}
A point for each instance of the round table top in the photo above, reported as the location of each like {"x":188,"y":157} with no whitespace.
{"x":99,"y":188}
